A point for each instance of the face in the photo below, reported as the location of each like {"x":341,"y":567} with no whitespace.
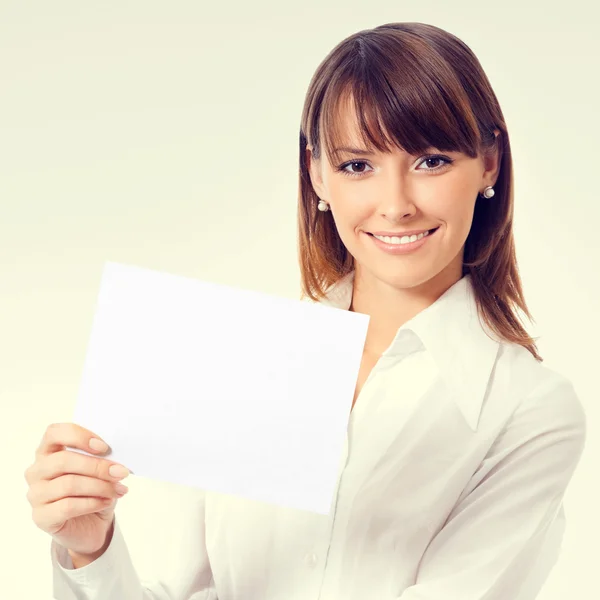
{"x":395,"y":193}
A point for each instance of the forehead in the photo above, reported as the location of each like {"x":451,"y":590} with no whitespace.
{"x":353,"y":124}
{"x":346,"y":118}
{"x":347,"y":125}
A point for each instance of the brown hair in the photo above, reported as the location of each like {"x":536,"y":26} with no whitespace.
{"x":417,"y":86}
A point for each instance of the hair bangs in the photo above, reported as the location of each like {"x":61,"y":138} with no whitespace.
{"x":383,"y":106}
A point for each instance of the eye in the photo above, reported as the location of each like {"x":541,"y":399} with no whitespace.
{"x":358,"y":167}
{"x":436,"y":158}
{"x":359,"y":163}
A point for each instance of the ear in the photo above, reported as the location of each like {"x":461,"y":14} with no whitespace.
{"x":492,"y":162}
{"x":316,"y":177}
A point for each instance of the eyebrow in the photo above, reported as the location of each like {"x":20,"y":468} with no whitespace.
{"x":350,"y":150}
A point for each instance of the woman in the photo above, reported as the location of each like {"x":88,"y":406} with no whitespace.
{"x":460,"y":443}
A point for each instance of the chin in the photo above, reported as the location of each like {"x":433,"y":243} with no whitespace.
{"x":400,"y":278}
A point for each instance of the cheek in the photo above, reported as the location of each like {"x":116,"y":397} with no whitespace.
{"x":454,"y":204}
{"x":351,"y":205}
{"x":459,"y":224}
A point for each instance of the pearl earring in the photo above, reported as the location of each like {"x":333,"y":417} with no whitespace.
{"x":488,"y":192}
{"x":323,"y":206}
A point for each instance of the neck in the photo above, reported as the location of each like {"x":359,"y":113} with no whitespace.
{"x":390,"y":305}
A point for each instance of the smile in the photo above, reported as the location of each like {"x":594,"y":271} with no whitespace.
{"x":405,"y":239}
{"x":404,"y":244}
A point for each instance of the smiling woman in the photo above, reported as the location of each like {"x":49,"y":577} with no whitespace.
{"x":460,"y":444}
{"x":401,"y":131}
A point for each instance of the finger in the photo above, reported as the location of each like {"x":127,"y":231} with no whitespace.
{"x":59,"y":435}
{"x":68,"y":462}
{"x":50,"y":517}
{"x":44,"y":492}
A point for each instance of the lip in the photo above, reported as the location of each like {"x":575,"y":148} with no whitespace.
{"x":401,"y":248}
{"x":401,"y":233}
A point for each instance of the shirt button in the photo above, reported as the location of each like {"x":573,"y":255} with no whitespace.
{"x":311,"y":559}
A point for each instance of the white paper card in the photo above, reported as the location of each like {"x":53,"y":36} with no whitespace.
{"x":218,"y":388}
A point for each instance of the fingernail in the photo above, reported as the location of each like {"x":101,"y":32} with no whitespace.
{"x":118,"y":471}
{"x":121,"y":489}
{"x":98,"y":445}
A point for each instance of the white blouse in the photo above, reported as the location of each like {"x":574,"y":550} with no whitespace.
{"x":458,"y":453}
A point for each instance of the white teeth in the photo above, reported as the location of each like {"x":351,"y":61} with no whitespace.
{"x":405,"y":239}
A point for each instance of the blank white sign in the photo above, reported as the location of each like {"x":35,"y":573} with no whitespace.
{"x":219,"y":388}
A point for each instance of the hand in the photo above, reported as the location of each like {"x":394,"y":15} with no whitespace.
{"x":73,"y":496}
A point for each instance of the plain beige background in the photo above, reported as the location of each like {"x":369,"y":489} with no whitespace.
{"x":165,"y":135}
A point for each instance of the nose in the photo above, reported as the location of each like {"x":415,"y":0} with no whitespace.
{"x":396,"y":203}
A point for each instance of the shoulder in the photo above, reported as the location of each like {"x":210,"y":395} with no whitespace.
{"x":539,"y":396}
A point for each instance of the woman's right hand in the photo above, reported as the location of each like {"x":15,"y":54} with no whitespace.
{"x":73,"y":496}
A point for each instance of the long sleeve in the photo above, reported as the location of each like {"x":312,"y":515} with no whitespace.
{"x":184,"y":572}
{"x":503,"y":536}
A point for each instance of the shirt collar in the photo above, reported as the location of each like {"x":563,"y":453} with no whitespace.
{"x":452,"y":332}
